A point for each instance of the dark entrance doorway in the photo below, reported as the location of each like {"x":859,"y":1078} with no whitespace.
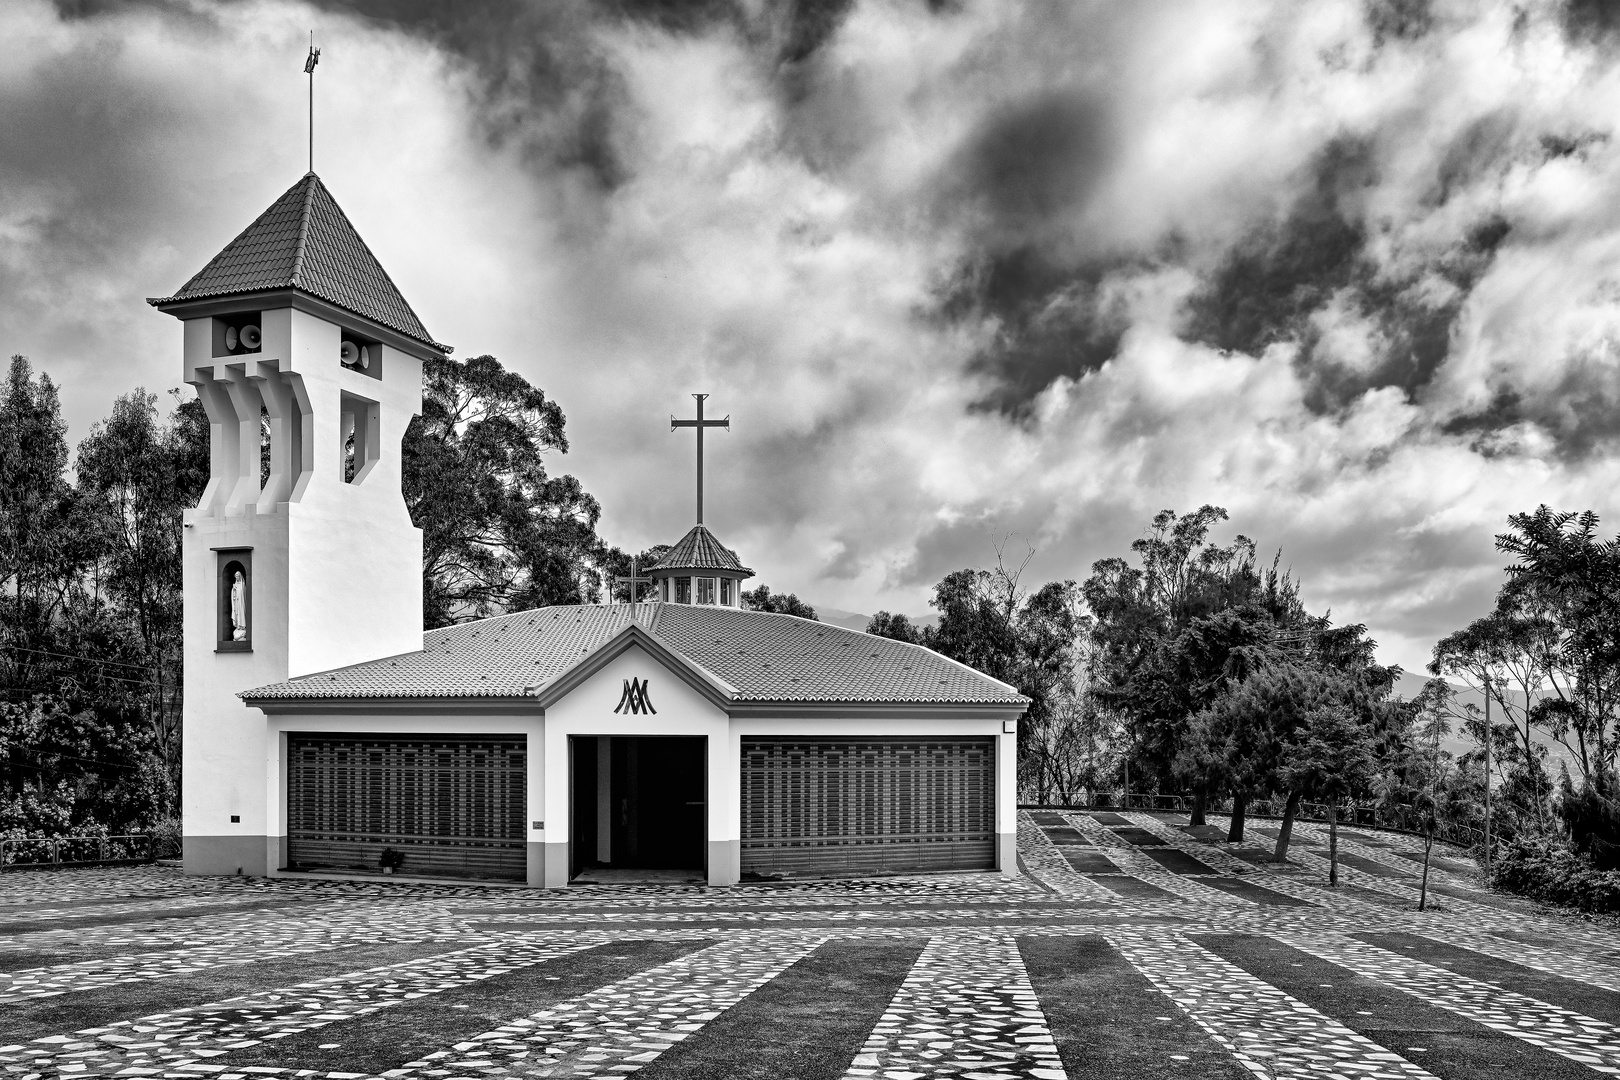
{"x":638,"y":805}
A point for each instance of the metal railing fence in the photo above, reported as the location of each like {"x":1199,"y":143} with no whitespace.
{"x":1395,"y":818}
{"x":39,"y":852}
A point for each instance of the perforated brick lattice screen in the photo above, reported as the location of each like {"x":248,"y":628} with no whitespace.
{"x":837,"y":806}
{"x":450,"y":806}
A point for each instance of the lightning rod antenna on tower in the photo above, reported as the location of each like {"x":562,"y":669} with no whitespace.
{"x":309,"y":69}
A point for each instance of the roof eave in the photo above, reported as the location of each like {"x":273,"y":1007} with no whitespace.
{"x":403,"y":704}
{"x":201,"y":307}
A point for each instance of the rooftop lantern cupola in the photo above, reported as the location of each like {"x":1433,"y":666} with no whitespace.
{"x":700,"y":569}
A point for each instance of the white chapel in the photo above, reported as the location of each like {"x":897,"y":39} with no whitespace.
{"x":680,"y":737}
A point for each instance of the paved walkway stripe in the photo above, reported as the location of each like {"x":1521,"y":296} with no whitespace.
{"x":188,"y":1038}
{"x":621,"y":1027}
{"x":1272,"y":1034}
{"x":966,"y":1010}
{"x":1138,"y":865}
{"x":1441,"y":1041}
{"x":1565,"y":964}
{"x":1223,"y":859}
{"x":140,"y":967}
{"x":1045,"y":862}
{"x":1573,"y":1035}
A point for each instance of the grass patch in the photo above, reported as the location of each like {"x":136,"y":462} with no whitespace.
{"x":1452,"y":1047}
{"x":808,"y":1023}
{"x":38,"y":1017}
{"x":392,"y":1036}
{"x":1554,"y":989}
{"x":1105,"y":1016}
{"x":72,"y":922}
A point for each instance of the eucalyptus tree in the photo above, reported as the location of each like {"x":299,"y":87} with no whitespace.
{"x":500,"y":532}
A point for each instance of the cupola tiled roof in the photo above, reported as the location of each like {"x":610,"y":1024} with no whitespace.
{"x":699,"y":550}
{"x":754,"y":657}
{"x":306,"y":242}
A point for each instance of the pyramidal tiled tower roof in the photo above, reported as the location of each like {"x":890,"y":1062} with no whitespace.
{"x":306,"y":242}
{"x":699,"y":550}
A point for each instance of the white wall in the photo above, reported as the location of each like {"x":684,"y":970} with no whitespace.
{"x":588,"y":710}
{"x":336,"y":567}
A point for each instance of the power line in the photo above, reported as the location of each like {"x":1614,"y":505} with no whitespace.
{"x":72,"y":757}
{"x":75,"y":656}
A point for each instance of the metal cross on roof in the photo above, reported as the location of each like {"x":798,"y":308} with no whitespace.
{"x":633,"y":581}
{"x":700,"y":424}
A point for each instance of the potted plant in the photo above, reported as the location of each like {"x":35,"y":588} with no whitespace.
{"x":390,"y":860}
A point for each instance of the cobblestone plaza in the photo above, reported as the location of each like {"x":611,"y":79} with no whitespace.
{"x":1131,"y":945}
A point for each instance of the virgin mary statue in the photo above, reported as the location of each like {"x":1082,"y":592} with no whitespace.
{"x":239,"y":626}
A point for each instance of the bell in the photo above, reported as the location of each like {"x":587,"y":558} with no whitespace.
{"x":230,"y":339}
{"x":349,"y":353}
{"x":250,"y":336}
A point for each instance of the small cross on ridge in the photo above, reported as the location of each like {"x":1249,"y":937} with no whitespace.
{"x":633,"y":581}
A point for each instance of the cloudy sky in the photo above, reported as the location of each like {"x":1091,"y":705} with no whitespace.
{"x":958,"y":271}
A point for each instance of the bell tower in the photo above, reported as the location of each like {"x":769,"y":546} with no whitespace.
{"x":300,"y":556}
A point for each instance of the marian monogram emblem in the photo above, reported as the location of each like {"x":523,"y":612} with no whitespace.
{"x":634,"y":700}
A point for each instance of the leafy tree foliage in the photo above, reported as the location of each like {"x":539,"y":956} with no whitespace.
{"x":499,"y":532}
{"x":1031,"y":641}
{"x":1190,"y":620}
{"x":1546,"y":659}
{"x":90,"y":594}
{"x":617,"y":565}
{"x":897,"y":627}
{"x":762,"y":599}
{"x":90,"y":571}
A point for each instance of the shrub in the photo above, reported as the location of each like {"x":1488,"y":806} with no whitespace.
{"x":1593,"y":817}
{"x":167,"y":840}
{"x":1544,"y":867}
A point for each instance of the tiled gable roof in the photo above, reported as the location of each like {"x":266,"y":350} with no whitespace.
{"x":760,"y":655}
{"x":305,"y":241}
{"x":771,"y":657}
{"x":699,"y":550}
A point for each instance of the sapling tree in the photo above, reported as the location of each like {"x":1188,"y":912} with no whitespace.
{"x":1331,"y":759}
{"x":1427,"y":824}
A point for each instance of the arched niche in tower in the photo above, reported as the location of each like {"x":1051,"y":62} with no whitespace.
{"x":235,"y":600}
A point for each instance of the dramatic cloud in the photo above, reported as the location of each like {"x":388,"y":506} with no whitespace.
{"x":957,"y":270}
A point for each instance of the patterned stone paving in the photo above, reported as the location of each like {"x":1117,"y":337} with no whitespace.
{"x":1270,"y":1033}
{"x":181,"y":1040}
{"x":1580,"y":1038}
{"x":624,"y":1026}
{"x":966,"y":1010}
{"x":1138,"y":881}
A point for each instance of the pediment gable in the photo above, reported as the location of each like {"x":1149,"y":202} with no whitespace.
{"x":639,"y":662}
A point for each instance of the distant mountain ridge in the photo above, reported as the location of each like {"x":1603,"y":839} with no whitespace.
{"x":854,"y":620}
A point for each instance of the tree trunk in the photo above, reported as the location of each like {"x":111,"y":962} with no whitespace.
{"x":1240,"y":807}
{"x":1423,"y":889}
{"x":1199,"y":801}
{"x":1333,"y":845}
{"x":1286,"y":831}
